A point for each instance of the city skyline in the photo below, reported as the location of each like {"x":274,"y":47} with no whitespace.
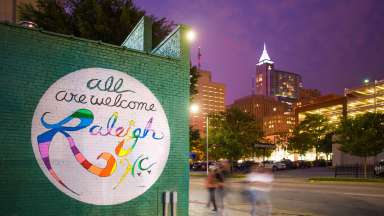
{"x":335,"y":46}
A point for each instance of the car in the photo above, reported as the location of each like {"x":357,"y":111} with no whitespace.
{"x":288,"y":163}
{"x":302,"y":164}
{"x":246,"y":166}
{"x":321,"y":163}
{"x":274,"y":165}
{"x":202,"y":165}
{"x":379,"y":168}
{"x":199,"y":166}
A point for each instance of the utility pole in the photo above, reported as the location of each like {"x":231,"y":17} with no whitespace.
{"x":207,"y":120}
{"x":199,"y":59}
{"x":374,"y":94}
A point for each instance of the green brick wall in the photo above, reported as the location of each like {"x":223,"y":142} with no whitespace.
{"x":30,"y":61}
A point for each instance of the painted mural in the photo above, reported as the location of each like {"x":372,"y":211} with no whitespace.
{"x":100,"y":136}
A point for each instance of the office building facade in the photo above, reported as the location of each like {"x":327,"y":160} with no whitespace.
{"x":8,"y":9}
{"x":278,"y":124}
{"x":210,"y":98}
{"x":366,"y":98}
{"x":273,"y":82}
{"x":356,"y":101}
{"x":307,"y":96}
{"x":331,"y":106}
{"x":259,"y":106}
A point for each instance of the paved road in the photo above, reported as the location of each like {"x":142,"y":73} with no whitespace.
{"x":292,"y":194}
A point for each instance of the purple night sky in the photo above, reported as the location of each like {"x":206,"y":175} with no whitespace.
{"x":332,"y":44}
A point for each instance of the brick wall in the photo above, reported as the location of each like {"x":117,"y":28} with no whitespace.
{"x":30,"y":61}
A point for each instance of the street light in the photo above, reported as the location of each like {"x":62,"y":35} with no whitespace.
{"x":191,"y":36}
{"x":207,"y":121}
{"x":194,"y":108}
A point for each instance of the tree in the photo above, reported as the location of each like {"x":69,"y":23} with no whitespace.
{"x":326,"y":144}
{"x":252,"y":137}
{"x":362,"y":136}
{"x":309,"y":133}
{"x":281,"y":139}
{"x":193,"y":78}
{"x":196,"y":145}
{"x":232,"y":134}
{"x":299,"y":142}
{"x":109,"y":21}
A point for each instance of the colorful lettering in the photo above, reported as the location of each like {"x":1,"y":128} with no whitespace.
{"x":44,"y":140}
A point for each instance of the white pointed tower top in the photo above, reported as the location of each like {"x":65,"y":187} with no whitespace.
{"x":264,"y":58}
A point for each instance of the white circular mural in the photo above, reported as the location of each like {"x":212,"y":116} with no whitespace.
{"x":100,"y":136}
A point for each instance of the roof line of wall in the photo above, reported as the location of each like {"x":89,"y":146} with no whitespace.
{"x":72,"y":37}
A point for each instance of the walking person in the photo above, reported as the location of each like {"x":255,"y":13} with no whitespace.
{"x":259,"y":182}
{"x":221,"y":174}
{"x":211,"y":185}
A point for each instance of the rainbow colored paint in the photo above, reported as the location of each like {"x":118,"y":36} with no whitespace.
{"x":130,"y":137}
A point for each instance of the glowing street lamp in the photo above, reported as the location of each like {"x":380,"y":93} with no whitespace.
{"x":194,"y":108}
{"x":366,"y":81}
{"x":191,"y":35}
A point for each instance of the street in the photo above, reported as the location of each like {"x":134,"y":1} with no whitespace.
{"x":297,"y":196}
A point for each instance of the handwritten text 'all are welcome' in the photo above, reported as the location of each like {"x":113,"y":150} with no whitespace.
{"x":109,"y":85}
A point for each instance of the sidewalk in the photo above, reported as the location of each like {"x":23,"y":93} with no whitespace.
{"x":234,"y":205}
{"x":292,"y":194}
{"x":198,"y":208}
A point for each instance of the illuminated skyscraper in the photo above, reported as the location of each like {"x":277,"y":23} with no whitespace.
{"x":272,"y":82}
{"x":259,"y":106}
{"x":210,"y":98}
{"x":8,"y":9}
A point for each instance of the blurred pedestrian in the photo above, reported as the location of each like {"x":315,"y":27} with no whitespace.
{"x":221,"y":175}
{"x":211,"y":184}
{"x":259,"y":182}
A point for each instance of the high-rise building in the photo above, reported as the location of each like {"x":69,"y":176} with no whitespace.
{"x":259,"y":106}
{"x":272,"y":82}
{"x":210,"y":98}
{"x":272,"y":117}
{"x":278,"y":124}
{"x":307,"y":95}
{"x":8,"y":9}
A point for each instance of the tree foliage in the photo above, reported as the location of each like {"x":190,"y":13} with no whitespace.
{"x":362,"y":136}
{"x":196,"y":144}
{"x":232,"y":134}
{"x":299,"y":142}
{"x":107,"y":20}
{"x":193,"y":78}
{"x":309,"y":134}
{"x":326,"y":143}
